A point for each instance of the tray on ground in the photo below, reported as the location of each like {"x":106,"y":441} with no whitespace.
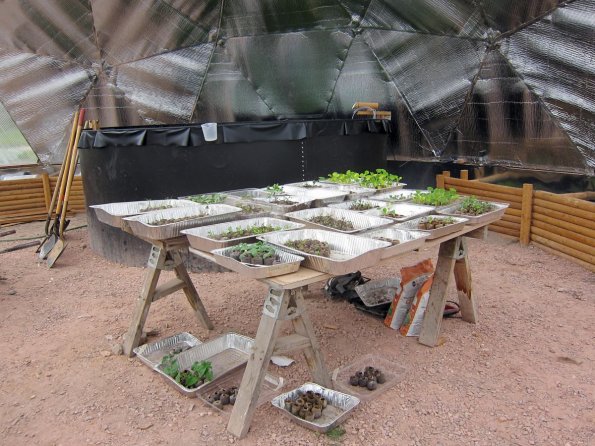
{"x":226,"y":353}
{"x":288,"y":263}
{"x":393,"y":373}
{"x":340,"y":406}
{"x":349,"y":253}
{"x":406,"y":210}
{"x":365,"y":201}
{"x":403,"y":240}
{"x":202,"y":238}
{"x":197,"y":215}
{"x":493,"y":215}
{"x":434,"y":233}
{"x":113,"y":213}
{"x":378,"y":292}
{"x":152,"y":353}
{"x":359,"y":221}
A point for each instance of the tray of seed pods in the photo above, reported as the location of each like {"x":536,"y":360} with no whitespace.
{"x":368,"y":377}
{"x":316,"y":407}
{"x":226,"y":354}
{"x":396,"y":196}
{"x":152,"y":353}
{"x":321,"y":196}
{"x":340,"y":220}
{"x":329,"y":252}
{"x":402,"y":240}
{"x":435,"y":225}
{"x":221,"y":235}
{"x":257,"y":262}
{"x":162,"y":225}
{"x":113,"y":213}
{"x":361,"y":205}
{"x":494,"y":212}
{"x":401,"y":211}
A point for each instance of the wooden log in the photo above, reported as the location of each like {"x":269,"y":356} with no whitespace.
{"x":563,"y":248}
{"x":446,"y":173}
{"x":564,"y":224}
{"x":440,"y":181}
{"x":562,"y":216}
{"x":526,"y":211}
{"x":47,"y":191}
{"x":566,"y":201}
{"x":588,"y":195}
{"x":23,"y":188}
{"x":511,"y":211}
{"x":508,"y":224}
{"x":511,"y":218}
{"x":577,"y":246}
{"x":464,"y":175}
{"x":562,"y":232}
{"x":507,"y":231}
{"x":507,"y":190}
{"x":12,"y":196}
{"x":21,"y":182}
{"x":9,"y":232}
{"x":580,"y":262}
{"x":553,"y":206}
{"x":34,"y":204}
{"x":484,"y":194}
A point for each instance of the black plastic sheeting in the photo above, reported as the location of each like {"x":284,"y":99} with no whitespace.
{"x":500,"y":82}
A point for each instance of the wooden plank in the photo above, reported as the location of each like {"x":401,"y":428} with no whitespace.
{"x":589,"y":250}
{"x":440,"y":181}
{"x":168,"y":288}
{"x":507,"y":190}
{"x":9,"y":232}
{"x":566,"y":201}
{"x":480,"y":233}
{"x":302,"y":277}
{"x":563,"y":216}
{"x":464,"y":175}
{"x":446,"y":174}
{"x":486,"y":194}
{"x":507,"y":231}
{"x":566,"y":233}
{"x":580,"y":262}
{"x":526,"y":211}
{"x":462,"y":273}
{"x":568,"y":209}
{"x":563,"y":248}
{"x":291,"y":343}
{"x":564,"y":224}
{"x":430,"y":329}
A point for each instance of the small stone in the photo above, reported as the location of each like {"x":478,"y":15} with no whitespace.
{"x":191,"y":408}
{"x":117,"y":349}
{"x":12,"y":292}
{"x":105,"y":353}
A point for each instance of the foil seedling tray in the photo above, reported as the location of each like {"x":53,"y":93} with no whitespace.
{"x":435,"y":233}
{"x":399,"y":196}
{"x":226,"y":354}
{"x":201,"y":238}
{"x":288,"y":263}
{"x":151,"y":354}
{"x":299,"y":202}
{"x":321,"y":196}
{"x":349,"y":253}
{"x":360,"y":221}
{"x":353,"y":191}
{"x":113,"y":213}
{"x":402,"y":240}
{"x":271,"y":385}
{"x":196,"y":215}
{"x":378,"y":292}
{"x":494,"y":215}
{"x":407,"y":210}
{"x":347,"y":204}
{"x":395,"y":186}
{"x":393,"y":372}
{"x":340,"y":406}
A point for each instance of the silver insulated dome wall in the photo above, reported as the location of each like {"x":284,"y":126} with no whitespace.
{"x":501,"y":82}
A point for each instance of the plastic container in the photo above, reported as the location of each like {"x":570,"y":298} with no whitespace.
{"x":209,"y":131}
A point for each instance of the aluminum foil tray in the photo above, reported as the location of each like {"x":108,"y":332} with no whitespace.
{"x":151,"y":354}
{"x":347,"y":204}
{"x":396,"y":196}
{"x":201,"y":238}
{"x":408,"y":240}
{"x":242,"y":194}
{"x":393,"y":373}
{"x":321,"y":195}
{"x":289,"y":263}
{"x":349,"y":253}
{"x":360,"y":222}
{"x":353,"y":191}
{"x":141,"y":227}
{"x":494,"y":215}
{"x":271,"y":385}
{"x":340,"y":405}
{"x":301,"y":202}
{"x":395,"y":186}
{"x":112,"y":213}
{"x":378,"y":292}
{"x":308,"y":185}
{"x":412,"y":225}
{"x":220,"y":196}
{"x":226,"y":354}
{"x":408,"y":211}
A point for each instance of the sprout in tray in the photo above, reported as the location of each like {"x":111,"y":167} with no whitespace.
{"x":251,"y":209}
{"x":275,"y":190}
{"x":167,"y":221}
{"x":254,"y":254}
{"x":431,"y":223}
{"x":379,"y":179}
{"x":283,"y":201}
{"x":237,"y":232}
{"x":335,"y":223}
{"x":155,"y":207}
{"x":310,"y":246}
{"x":473,"y":206}
{"x":361,"y":205}
{"x":435,"y":196}
{"x":199,"y":373}
{"x":387,"y":212}
{"x":208,"y":198}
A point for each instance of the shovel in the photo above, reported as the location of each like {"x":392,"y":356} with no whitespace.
{"x":60,"y":223}
{"x":51,"y":234}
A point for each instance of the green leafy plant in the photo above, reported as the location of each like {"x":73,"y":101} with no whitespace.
{"x":274,"y":190}
{"x":348,"y":177}
{"x":361,"y":205}
{"x":156,"y":207}
{"x":231,"y":232}
{"x":199,"y":372}
{"x":208,"y":198}
{"x":203,"y":369}
{"x":388,"y":212}
{"x":435,"y":196}
{"x":473,"y":206}
{"x":379,"y":179}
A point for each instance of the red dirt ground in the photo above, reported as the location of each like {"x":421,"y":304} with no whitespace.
{"x":523,"y":375}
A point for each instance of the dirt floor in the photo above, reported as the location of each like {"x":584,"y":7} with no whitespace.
{"x":524,"y":375}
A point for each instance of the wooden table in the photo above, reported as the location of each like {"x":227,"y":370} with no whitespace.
{"x":284,"y":302}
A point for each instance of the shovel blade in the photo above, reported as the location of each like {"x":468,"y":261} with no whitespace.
{"x":47,"y":245}
{"x":56,"y":252}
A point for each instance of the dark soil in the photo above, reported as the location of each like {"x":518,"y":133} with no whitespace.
{"x":310,"y":246}
{"x":331,"y":222}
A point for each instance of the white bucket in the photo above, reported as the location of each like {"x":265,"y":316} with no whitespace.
{"x":209,"y":130}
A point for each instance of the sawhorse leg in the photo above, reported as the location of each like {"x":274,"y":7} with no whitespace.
{"x":280,"y":306}
{"x":162,"y":258}
{"x":452,"y":258}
